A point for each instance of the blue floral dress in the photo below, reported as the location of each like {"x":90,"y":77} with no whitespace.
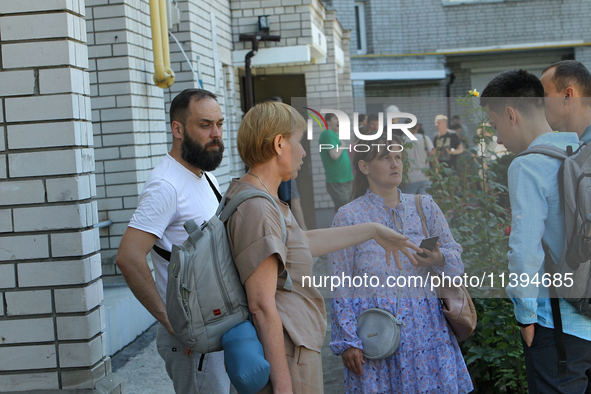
{"x":428,"y":359}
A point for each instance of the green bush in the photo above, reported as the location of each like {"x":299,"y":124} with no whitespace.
{"x":475,"y":200}
{"x":493,"y":353}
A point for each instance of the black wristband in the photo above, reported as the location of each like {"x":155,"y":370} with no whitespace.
{"x":519,"y":324}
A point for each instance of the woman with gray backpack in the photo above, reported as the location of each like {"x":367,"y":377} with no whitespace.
{"x":290,"y":320}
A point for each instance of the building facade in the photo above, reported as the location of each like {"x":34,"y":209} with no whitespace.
{"x":401,"y":49}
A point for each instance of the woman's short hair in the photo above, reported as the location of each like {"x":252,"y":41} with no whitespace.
{"x":261,"y":124}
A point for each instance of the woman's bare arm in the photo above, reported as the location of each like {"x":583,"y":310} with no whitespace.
{"x":328,"y":240}
{"x":260,"y":290}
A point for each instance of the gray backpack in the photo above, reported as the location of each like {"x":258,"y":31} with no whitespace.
{"x":574,"y":179}
{"x":204,"y":295}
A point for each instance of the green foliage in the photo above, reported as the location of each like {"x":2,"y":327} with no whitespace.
{"x":475,"y":201}
{"x":493,"y":353}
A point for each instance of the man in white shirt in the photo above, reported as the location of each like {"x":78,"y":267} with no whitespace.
{"x":178,"y":189}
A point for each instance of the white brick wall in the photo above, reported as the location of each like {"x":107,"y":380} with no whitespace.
{"x":69,"y":189}
{"x":75,"y":244}
{"x":84,"y":379}
{"x":27,"y":136}
{"x":22,"y":247}
{"x":22,"y":192}
{"x":7,"y":277}
{"x":14,"y":358}
{"x":17,"y":83}
{"x":29,"y":381}
{"x":47,"y":241}
{"x":81,"y":354}
{"x":79,"y":327}
{"x":28,"y":303}
{"x":79,"y":299}
{"x":2,"y":166}
{"x":68,"y":272}
{"x":64,"y":80}
{"x":23,"y":6}
{"x":48,"y":53}
{"x":128,"y":110}
{"x":41,"y":26}
{"x":5,"y":221}
{"x":45,"y":163}
{"x":49,"y":218}
{"x":37,"y":108}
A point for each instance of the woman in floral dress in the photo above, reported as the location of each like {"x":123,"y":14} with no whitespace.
{"x":428,"y":359}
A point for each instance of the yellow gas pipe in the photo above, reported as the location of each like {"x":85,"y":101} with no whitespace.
{"x":163,"y":75}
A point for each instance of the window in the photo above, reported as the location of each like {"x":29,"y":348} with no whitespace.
{"x":360,"y":27}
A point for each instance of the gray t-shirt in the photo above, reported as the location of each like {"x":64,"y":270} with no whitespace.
{"x":418,"y":154}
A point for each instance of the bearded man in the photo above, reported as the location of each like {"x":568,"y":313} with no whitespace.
{"x":178,"y":189}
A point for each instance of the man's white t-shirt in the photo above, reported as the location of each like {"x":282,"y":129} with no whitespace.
{"x":419,"y":154}
{"x":171,"y":196}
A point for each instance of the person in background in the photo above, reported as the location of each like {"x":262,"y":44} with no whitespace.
{"x":567,"y":87}
{"x":362,"y":123}
{"x":420,"y":129}
{"x":337,"y":165}
{"x":394,"y":111}
{"x":460,"y":129}
{"x":447,"y":144}
{"x":296,"y":205}
{"x":489,"y":149}
{"x":373,"y":124}
{"x":489,"y":146}
{"x":418,"y":157}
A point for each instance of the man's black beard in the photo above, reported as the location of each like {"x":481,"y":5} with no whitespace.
{"x":200,"y":156}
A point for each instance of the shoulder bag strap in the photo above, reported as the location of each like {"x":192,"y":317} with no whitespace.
{"x":419,"y":204}
{"x":215,"y":190}
{"x":165,"y":254}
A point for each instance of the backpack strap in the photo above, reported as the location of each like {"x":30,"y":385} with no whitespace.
{"x":419,"y":204}
{"x":225,"y":211}
{"x":547,"y":150}
{"x":554,"y":303}
{"x":228,"y":210}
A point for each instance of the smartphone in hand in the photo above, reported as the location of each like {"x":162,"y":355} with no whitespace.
{"x":429,"y":244}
